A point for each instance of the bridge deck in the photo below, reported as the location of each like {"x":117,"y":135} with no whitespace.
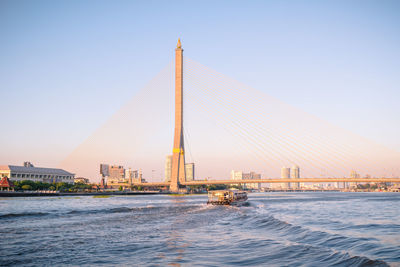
{"x":301,"y":180}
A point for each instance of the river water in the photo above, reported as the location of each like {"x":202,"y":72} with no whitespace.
{"x":274,"y":229}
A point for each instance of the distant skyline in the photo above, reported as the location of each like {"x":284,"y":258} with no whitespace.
{"x":68,"y":66}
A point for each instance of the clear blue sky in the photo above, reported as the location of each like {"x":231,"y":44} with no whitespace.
{"x":67,"y":66}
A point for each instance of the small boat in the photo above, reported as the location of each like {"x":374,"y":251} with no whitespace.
{"x":227,"y":197}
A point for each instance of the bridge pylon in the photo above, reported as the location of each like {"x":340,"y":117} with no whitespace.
{"x":178,"y":175}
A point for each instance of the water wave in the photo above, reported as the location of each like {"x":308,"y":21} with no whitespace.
{"x":156,"y":230}
{"x":25,"y":214}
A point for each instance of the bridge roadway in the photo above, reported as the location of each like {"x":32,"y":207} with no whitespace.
{"x":300,"y":180}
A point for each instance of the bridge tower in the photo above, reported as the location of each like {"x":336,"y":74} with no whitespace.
{"x":178,"y":151}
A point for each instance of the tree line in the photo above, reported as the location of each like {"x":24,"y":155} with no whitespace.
{"x":60,"y":186}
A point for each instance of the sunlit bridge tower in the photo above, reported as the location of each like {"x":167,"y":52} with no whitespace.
{"x":178,"y":150}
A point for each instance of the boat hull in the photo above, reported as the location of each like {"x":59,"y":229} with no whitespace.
{"x":231,"y":198}
{"x":228,"y":203}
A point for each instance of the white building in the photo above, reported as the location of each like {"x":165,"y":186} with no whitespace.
{"x":295,"y":174}
{"x":236,"y":175}
{"x":189,"y":170}
{"x":168,"y":168}
{"x":32,"y":173}
{"x":285,"y":174}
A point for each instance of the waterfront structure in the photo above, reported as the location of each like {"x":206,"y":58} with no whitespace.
{"x":189,"y":169}
{"x":178,"y":174}
{"x":295,"y":174}
{"x":168,"y":168}
{"x":36,"y":174}
{"x":285,"y":174}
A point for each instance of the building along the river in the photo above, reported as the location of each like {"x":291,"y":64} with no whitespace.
{"x":36,"y":174}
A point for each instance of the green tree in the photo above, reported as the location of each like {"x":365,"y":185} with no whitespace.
{"x":236,"y":186}
{"x":32,"y":184}
{"x":26,"y":187}
{"x":120,"y":188}
{"x":61,"y":186}
{"x":217,"y":187}
{"x":81,"y":186}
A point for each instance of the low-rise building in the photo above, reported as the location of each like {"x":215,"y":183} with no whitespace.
{"x":36,"y":174}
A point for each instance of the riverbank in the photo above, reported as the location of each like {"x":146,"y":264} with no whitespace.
{"x":57,"y":194}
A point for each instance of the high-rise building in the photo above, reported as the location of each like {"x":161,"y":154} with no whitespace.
{"x":132,"y":176}
{"x":168,"y":168}
{"x":104,"y":170}
{"x":127,"y":173}
{"x":353,"y":174}
{"x":116,"y":175}
{"x":119,"y":176}
{"x":236,"y":175}
{"x":295,"y":174}
{"x":239,"y":175}
{"x":252,"y":176}
{"x":189,"y":169}
{"x":337,"y":185}
{"x":116,"y":172}
{"x":285,"y":174}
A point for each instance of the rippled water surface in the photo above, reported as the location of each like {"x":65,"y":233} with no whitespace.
{"x":275,"y":229}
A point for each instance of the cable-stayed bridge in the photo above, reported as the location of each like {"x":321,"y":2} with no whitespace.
{"x":221,"y":124}
{"x":178,"y":175}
